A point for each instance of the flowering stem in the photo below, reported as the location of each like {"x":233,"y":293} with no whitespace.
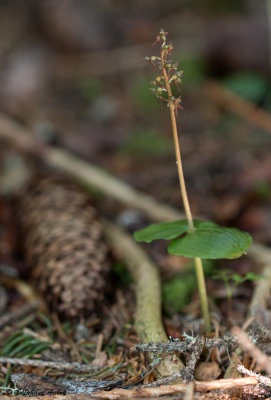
{"x":197,"y":261}
{"x":177,"y":148}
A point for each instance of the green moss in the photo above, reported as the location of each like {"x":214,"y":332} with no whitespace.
{"x":178,"y":290}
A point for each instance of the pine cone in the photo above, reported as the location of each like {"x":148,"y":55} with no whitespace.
{"x":63,"y":244}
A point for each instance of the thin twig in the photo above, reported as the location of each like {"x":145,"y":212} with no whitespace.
{"x":26,"y":290}
{"x":246,"y":344}
{"x":179,"y":388}
{"x":236,"y":104}
{"x":74,"y":366}
{"x":261,"y":293}
{"x":18,"y":312}
{"x":262,"y":379}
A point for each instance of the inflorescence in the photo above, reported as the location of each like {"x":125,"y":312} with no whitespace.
{"x":170,"y":74}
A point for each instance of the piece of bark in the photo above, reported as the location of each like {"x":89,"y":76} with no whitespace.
{"x":37,"y":385}
{"x":42,"y":385}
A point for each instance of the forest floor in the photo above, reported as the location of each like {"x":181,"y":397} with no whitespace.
{"x":99,"y":108}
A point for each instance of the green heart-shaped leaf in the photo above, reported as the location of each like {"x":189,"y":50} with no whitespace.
{"x":211,"y":241}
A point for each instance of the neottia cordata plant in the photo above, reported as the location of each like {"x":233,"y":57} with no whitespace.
{"x":190,"y":238}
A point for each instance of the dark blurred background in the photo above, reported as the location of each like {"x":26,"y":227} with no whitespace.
{"x":72,"y":71}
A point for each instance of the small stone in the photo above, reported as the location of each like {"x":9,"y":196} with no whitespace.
{"x":207,"y":371}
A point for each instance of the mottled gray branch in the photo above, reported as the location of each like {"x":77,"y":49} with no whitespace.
{"x":258,"y":335}
{"x":74,"y":366}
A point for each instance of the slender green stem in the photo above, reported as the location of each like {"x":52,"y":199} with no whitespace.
{"x":198,"y":262}
{"x":202,"y":293}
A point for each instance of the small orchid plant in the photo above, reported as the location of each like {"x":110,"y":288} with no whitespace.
{"x":190,"y":238}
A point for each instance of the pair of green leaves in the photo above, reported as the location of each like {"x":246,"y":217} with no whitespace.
{"x":207,"y":240}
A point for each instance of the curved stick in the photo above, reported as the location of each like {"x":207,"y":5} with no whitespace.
{"x":145,"y":274}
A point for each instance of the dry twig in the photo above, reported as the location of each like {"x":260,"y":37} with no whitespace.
{"x":259,"y":335}
{"x":221,"y":384}
{"x":246,"y":344}
{"x":262,"y":379}
{"x":96,"y":177}
{"x":236,"y":104}
{"x":262,"y":290}
{"x":18,"y":312}
{"x":74,"y":366}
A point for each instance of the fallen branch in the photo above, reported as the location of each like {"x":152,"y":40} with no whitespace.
{"x":89,"y":174}
{"x":165,"y":390}
{"x":220,"y":384}
{"x":262,"y":379}
{"x":184,"y":345}
{"x":236,"y":104}
{"x":148,"y":295}
{"x":74,"y":366}
{"x":108,"y":184}
{"x":259,"y":335}
{"x":33,"y":384}
{"x":260,"y":391}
